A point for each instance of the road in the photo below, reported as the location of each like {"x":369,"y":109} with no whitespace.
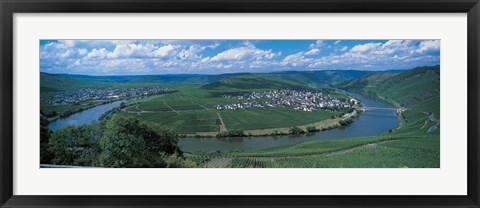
{"x":222,"y":127}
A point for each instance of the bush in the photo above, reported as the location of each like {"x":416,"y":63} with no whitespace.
{"x":312,"y":129}
{"x":296,"y":130}
{"x":231,"y":133}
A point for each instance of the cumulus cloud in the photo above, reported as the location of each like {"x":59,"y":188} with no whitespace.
{"x":317,"y":44}
{"x":98,"y":53}
{"x":314,"y":51}
{"x":428,"y":46}
{"x":210,"y":56}
{"x":249,"y":52}
{"x":365,"y":47}
{"x":164,"y":50}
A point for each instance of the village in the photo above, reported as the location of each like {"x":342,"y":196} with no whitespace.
{"x":75,"y":96}
{"x":299,"y":100}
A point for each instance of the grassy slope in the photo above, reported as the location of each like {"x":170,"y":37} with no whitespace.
{"x":406,"y":88}
{"x":410,"y":146}
{"x":172,"y":78}
{"x":261,"y":82}
{"x":333,"y":76}
{"x":53,"y":83}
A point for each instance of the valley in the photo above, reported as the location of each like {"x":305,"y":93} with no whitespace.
{"x":272,"y":134}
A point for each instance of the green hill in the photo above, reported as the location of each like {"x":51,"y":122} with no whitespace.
{"x":263,"y":81}
{"x":333,"y":76}
{"x":168,"y":78}
{"x":322,"y":77}
{"x":287,"y":79}
{"x":405,"y":88}
{"x":368,"y":81}
{"x":53,"y":83}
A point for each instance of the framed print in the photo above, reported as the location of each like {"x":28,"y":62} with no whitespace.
{"x":267,"y":103}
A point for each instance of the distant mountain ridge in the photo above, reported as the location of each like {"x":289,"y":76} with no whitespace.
{"x":283,"y":79}
{"x":168,"y":78}
{"x":324,"y":76}
{"x":53,"y":83}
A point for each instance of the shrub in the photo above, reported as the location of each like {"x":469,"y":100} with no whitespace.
{"x":296,"y":130}
{"x":312,"y":129}
{"x":231,"y":133}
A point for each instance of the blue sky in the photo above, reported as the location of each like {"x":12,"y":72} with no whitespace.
{"x":136,"y":57}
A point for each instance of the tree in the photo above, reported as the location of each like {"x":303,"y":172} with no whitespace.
{"x":122,"y":142}
{"x":74,"y":145}
{"x":62,"y":145}
{"x":127,"y":142}
{"x":45,"y":155}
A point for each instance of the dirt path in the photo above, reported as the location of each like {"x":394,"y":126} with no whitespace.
{"x":202,"y":106}
{"x":171,"y":108}
{"x":222,"y":127}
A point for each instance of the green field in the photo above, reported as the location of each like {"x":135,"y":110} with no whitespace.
{"x":271,"y":118}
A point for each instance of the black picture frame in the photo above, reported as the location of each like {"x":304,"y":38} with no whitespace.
{"x":9,"y":7}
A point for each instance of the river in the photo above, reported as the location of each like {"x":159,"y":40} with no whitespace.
{"x":369,"y":123}
{"x":84,"y":117}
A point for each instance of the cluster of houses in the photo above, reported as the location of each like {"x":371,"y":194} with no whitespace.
{"x":75,"y":96}
{"x":299,"y":100}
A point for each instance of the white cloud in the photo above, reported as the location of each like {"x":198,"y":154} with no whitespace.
{"x":317,"y":44}
{"x":341,"y":49}
{"x":131,"y":51}
{"x":296,"y":60}
{"x":314,"y":51}
{"x":428,"y":46}
{"x":82,"y":51}
{"x":98,"y":54}
{"x":336,"y":42}
{"x":365,"y":47}
{"x":248,"y":52}
{"x":164,"y":50}
{"x":234,"y":54}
